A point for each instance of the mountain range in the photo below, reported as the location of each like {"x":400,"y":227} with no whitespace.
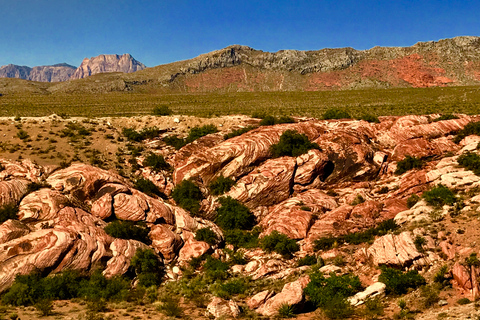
{"x":448,"y":62}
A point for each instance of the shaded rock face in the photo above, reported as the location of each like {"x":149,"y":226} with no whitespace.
{"x":107,"y":63}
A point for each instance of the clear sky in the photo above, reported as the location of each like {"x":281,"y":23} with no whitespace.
{"x":43,"y":32}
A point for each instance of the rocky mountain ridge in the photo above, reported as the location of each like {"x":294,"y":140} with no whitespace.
{"x":63,"y":72}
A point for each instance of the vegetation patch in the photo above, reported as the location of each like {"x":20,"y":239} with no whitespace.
{"x":412,"y":200}
{"x":327,"y":243}
{"x":408,"y":163}
{"x":242,"y":238}
{"x":292,"y":144}
{"x":137,"y":136}
{"x":369,"y":118}
{"x":308,"y":260}
{"x":221,"y":185}
{"x":128,"y":230}
{"x":162,"y":110}
{"x":330,"y":294}
{"x":147,"y":267}
{"x":279,"y":243}
{"x":335,"y":113}
{"x":188,"y":196}
{"x":238,"y":132}
{"x":469,"y":129}
{"x":194,"y":134}
{"x":470,"y":161}
{"x":229,"y":288}
{"x":206,"y":235}
{"x":439,"y":196}
{"x":268,"y":120}
{"x":148,"y":187}
{"x":232,"y":214}
{"x":156,"y":162}
{"x":398,"y":282}
{"x":447,"y":116}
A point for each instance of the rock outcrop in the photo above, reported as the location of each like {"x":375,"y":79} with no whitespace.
{"x":54,"y":73}
{"x":107,"y":63}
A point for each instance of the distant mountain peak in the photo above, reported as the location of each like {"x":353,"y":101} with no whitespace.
{"x":108,"y":63}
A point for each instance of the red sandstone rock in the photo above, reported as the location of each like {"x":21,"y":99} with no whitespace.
{"x":421,"y":148}
{"x":12,"y":229}
{"x":165,"y":241}
{"x":122,"y":251}
{"x":222,"y":309}
{"x":12,"y":191}
{"x":43,"y":204}
{"x":394,"y":250}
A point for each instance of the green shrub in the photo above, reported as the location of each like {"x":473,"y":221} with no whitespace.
{"x":147,"y":266}
{"x":23,"y":135}
{"x":98,"y":287}
{"x":358,"y":200}
{"x":271,"y":120}
{"x":148,"y":187}
{"x":398,"y":282}
{"x":156,"y":162}
{"x":128,"y":230}
{"x":215,"y":269}
{"x":279,"y":243}
{"x":383,"y":190}
{"x":419,"y":242}
{"x":308,"y":260}
{"x":330,"y":293}
{"x":146,"y":133}
{"x":162,"y":110}
{"x":207,"y":235}
{"x":34,"y":186}
{"x":286,"y":311}
{"x":292,"y":144}
{"x":175,"y":142}
{"x":408,"y":163}
{"x":232,"y":287}
{"x":412,"y":200}
{"x":439,"y":196}
{"x":188,"y":196}
{"x":373,"y":308}
{"x":429,"y":296}
{"x":335,"y":113}
{"x":447,"y":116}
{"x":470,"y":129}
{"x":470,"y":161}
{"x":221,"y":185}
{"x":369,"y":118}
{"x":8,"y":211}
{"x":472,"y":260}
{"x":242,"y":238}
{"x":232,"y":214}
{"x":327,"y":243}
{"x":171,"y":307}
{"x":44,"y":307}
{"x":440,"y":278}
{"x":463,"y":301}
{"x":238,"y":132}
{"x":198,"y":132}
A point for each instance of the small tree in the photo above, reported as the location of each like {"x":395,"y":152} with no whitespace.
{"x":188,"y":196}
{"x":234,"y":215}
{"x":292,"y":144}
{"x":147,"y":266}
{"x":279,"y":243}
{"x":221,"y":185}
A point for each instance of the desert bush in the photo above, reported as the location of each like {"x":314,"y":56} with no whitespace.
{"x":232,"y":287}
{"x":188,"y":196}
{"x":308,"y":260}
{"x":215,"y":269}
{"x":369,"y":118}
{"x":269,"y":120}
{"x":34,"y":186}
{"x":238,"y":132}
{"x":470,"y":161}
{"x":147,"y":266}
{"x":330,"y":293}
{"x":327,"y":243}
{"x":156,"y":162}
{"x":221,"y":185}
{"x":472,"y":261}
{"x":412,"y":200}
{"x":373,"y":308}
{"x":171,"y":307}
{"x":439,"y":196}
{"x":162,"y":110}
{"x":469,"y":129}
{"x":286,"y":311}
{"x":148,"y":187}
{"x":335,"y":113}
{"x":279,"y":243}
{"x":419,"y":242}
{"x":232,"y":214}
{"x":398,"y":282}
{"x":23,"y":135}
{"x":207,"y":235}
{"x":98,"y":287}
{"x":292,"y":144}
{"x":146,"y":133}
{"x":440,"y":278}
{"x":383,"y":190}
{"x":242,"y":238}
{"x":8,"y":211}
{"x":97,"y":305}
{"x":358,"y":200}
{"x":429,"y":296}
{"x":447,"y":116}
{"x":44,"y":307}
{"x":463,"y":301}
{"x":408,"y":163}
{"x":128,"y":230}
{"x":198,"y":132}
{"x":175,"y":142}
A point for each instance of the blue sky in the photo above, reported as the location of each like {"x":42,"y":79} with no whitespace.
{"x":42,"y":32}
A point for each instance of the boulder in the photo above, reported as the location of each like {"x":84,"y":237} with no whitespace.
{"x":372,"y":291}
{"x":259,"y":299}
{"x":394,"y":250}
{"x":220,"y":308}
{"x":192,"y":249}
{"x":43,"y":204}
{"x":291,"y":294}
{"x":165,"y":241}
{"x":12,"y":229}
{"x":12,"y":191}
{"x":122,"y":252}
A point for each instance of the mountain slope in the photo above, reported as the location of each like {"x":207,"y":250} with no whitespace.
{"x":107,"y":63}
